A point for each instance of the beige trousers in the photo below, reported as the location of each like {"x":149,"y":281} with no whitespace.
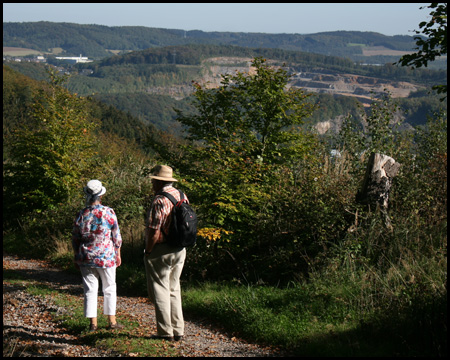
{"x":163,"y":268}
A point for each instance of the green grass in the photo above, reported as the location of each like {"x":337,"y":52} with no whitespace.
{"x":356,"y":44}
{"x":293,"y":319}
{"x":322,"y":318}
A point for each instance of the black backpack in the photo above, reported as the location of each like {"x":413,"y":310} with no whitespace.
{"x":183,"y":227}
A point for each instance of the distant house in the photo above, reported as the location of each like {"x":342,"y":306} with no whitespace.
{"x":86,"y":72}
{"x":74,"y":60}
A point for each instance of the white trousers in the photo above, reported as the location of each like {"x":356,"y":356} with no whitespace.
{"x":91,"y":276}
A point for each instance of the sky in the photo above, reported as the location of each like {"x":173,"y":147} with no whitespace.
{"x":271,"y":18}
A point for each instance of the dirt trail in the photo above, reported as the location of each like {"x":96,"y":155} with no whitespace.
{"x":29,"y":328}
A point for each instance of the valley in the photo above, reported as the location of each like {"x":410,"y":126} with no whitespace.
{"x":150,"y":83}
{"x":318,"y":81}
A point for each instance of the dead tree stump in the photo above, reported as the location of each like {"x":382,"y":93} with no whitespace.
{"x":380,"y":172}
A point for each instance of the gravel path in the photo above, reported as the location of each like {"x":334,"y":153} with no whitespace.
{"x":29,"y":328}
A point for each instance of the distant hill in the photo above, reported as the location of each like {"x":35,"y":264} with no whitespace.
{"x":97,"y":41}
{"x":170,"y":71}
{"x":150,"y":83}
{"x":148,"y":71}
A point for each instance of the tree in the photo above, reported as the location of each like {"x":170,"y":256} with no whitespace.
{"x":253,"y":115}
{"x":434,"y":45}
{"x":240,"y":133}
{"x":47,"y":155}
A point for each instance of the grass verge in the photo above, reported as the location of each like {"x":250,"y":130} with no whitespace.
{"x":309,"y":320}
{"x":292,"y":319}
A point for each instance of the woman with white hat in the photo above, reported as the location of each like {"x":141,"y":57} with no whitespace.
{"x":96,"y":242}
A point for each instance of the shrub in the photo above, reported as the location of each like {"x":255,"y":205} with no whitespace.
{"x":47,"y":155}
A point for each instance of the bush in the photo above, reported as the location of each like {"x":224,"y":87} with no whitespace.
{"x":47,"y":154}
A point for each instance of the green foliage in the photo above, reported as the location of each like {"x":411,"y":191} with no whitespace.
{"x":118,"y":163}
{"x":114,"y":121}
{"x":17,"y":97}
{"x":331,"y":106}
{"x":250,"y":114}
{"x":379,"y":131}
{"x":244,"y":129}
{"x":435,"y":43}
{"x":48,"y":155}
{"x":124,"y":81}
{"x":151,"y":109}
{"x":422,"y":190}
{"x":337,"y":313}
{"x":160,"y":62}
{"x":419,"y":106}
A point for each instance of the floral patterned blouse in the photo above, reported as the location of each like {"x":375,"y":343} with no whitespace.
{"x":96,"y":236}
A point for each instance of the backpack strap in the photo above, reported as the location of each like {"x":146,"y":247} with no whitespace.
{"x":171,"y":198}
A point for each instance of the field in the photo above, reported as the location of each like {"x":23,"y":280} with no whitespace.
{"x":381,"y":50}
{"x":16,"y":51}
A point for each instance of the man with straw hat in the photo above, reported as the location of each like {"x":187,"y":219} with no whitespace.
{"x":164,"y":262}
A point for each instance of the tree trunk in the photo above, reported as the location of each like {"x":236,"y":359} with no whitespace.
{"x":380,"y":173}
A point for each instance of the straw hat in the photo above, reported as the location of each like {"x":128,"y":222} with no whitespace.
{"x":94,"y":188}
{"x":163,"y":173}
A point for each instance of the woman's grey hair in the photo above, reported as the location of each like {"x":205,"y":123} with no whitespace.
{"x":91,"y":198}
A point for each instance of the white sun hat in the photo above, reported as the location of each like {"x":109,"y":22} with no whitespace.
{"x":94,"y":188}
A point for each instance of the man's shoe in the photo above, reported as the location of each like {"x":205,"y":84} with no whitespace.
{"x":159,"y":337}
{"x":115,"y":326}
{"x":92,"y":328}
{"x":178,"y":337}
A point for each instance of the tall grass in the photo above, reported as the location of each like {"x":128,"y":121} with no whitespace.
{"x":358,"y":301}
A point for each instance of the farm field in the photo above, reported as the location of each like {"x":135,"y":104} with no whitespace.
{"x":17,"y":51}
{"x":381,"y":50}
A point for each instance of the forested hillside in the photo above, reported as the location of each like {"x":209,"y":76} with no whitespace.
{"x":150,"y":83}
{"x":98,"y":41}
{"x":18,"y":93}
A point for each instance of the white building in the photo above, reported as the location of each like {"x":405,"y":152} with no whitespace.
{"x":75,"y":60}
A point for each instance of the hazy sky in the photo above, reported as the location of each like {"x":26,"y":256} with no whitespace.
{"x":294,"y":18}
